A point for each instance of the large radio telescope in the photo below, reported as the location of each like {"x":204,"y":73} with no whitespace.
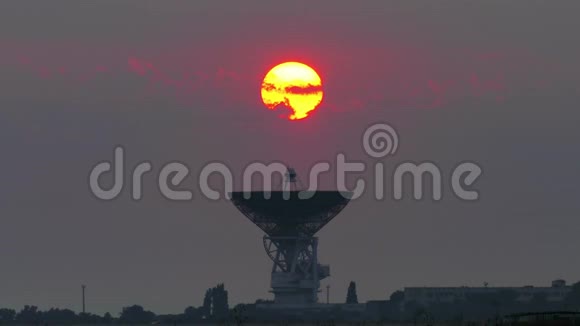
{"x":290,"y":219}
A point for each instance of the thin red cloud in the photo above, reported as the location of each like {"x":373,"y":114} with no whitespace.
{"x":400,"y":83}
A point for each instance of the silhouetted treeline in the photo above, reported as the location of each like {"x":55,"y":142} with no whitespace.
{"x":32,"y":315}
{"x":215,"y":308}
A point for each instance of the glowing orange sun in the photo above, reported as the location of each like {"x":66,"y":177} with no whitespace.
{"x":293,"y":85}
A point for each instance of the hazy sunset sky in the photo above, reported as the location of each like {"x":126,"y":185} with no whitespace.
{"x":495,"y":82}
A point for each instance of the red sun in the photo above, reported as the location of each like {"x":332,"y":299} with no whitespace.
{"x":295,"y":86}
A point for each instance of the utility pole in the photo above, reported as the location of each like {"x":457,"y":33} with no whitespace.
{"x":83,"y":288}
{"x":328,"y":294}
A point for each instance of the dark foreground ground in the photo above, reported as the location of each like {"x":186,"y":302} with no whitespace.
{"x":285,"y":324}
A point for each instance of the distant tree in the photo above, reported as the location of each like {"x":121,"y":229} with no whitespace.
{"x":351,"y":296}
{"x":215,"y":303}
{"x":29,"y":314}
{"x":192,"y":314}
{"x":59,"y":316}
{"x":136,"y":314}
{"x":241,"y":313}
{"x":107,"y":318}
{"x":220,"y":307}
{"x":7,"y":315}
{"x":169,"y":319}
{"x":206,"y":308}
{"x":88,"y":318}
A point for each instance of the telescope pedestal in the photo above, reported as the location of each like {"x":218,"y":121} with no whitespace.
{"x":290,"y":221}
{"x":296,"y":273}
